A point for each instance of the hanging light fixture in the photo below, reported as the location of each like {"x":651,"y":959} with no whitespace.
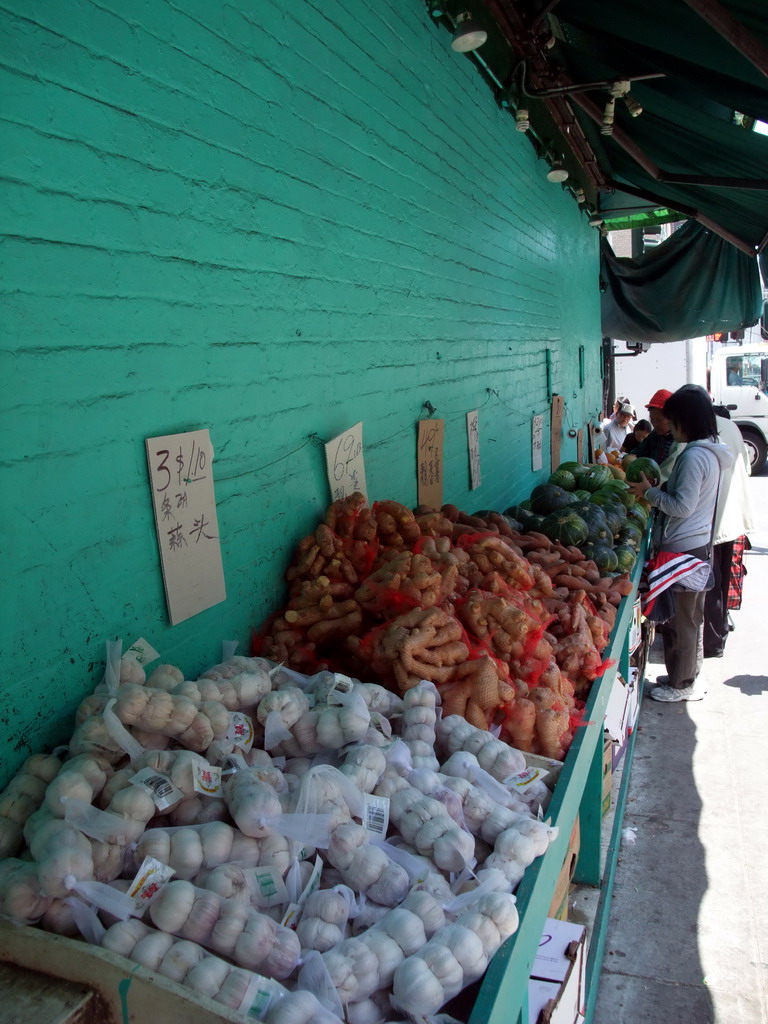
{"x":634,"y":108}
{"x":522,"y":120}
{"x":557,"y":173}
{"x":467,"y":35}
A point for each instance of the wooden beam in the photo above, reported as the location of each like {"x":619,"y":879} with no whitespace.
{"x":724,"y":23}
{"x":688,"y":211}
{"x":757,"y":184}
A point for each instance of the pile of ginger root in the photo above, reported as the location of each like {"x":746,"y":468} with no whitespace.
{"x":510,"y":627}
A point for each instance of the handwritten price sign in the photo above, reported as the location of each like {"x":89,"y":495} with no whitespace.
{"x":180,"y":473}
{"x":537,"y":442}
{"x":345,"y":463}
{"x":430,"y":462}
{"x":473,"y":443}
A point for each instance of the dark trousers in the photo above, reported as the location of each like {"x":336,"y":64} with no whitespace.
{"x":683,"y":650}
{"x":716,"y":602}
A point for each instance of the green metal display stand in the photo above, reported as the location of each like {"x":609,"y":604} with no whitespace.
{"x":503,"y":996}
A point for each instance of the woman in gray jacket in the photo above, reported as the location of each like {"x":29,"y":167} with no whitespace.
{"x":686,"y":507}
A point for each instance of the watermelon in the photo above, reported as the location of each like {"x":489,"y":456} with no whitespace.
{"x":626,"y":557}
{"x":644,"y":467}
{"x":518,"y":512}
{"x":533,"y":524}
{"x":621,"y":490}
{"x":581,"y":495}
{"x":607,"y":499}
{"x":562,"y":478}
{"x":577,"y":468}
{"x":513,"y":524}
{"x":566,"y":526}
{"x":548,"y":498}
{"x":595,"y":478}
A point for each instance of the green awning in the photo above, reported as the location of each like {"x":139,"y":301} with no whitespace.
{"x":685,"y":153}
{"x":691,"y":285}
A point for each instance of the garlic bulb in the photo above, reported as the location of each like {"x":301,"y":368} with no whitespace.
{"x":426,"y":823}
{"x":496,"y":757}
{"x":300,"y":1007}
{"x":235,"y":929}
{"x":418,"y":724}
{"x":253,"y":804}
{"x":456,"y":955}
{"x":165,"y":677}
{"x":63,"y":856}
{"x":21,"y":896}
{"x":366,"y":868}
{"x":323,"y":921}
{"x":364,"y":765}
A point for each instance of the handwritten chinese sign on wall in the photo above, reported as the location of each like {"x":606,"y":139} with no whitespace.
{"x":537,"y":443}
{"x":430,"y":462}
{"x":473,"y":443}
{"x":558,"y":410}
{"x":181,"y":477}
{"x":345,"y":464}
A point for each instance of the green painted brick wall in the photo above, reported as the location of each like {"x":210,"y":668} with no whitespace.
{"x":271,"y":220}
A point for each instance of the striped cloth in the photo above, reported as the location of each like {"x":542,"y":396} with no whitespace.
{"x":668,"y":568}
{"x":738,"y":572}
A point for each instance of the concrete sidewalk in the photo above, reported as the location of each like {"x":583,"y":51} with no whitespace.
{"x":688,"y":934}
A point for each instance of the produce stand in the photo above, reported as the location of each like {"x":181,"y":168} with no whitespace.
{"x":503,"y":996}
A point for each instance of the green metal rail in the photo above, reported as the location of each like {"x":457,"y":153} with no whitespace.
{"x":503,"y":996}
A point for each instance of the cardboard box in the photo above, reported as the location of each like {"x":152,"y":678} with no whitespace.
{"x":636,"y":629}
{"x":558,"y":908}
{"x":556,"y":988}
{"x":547,"y":764}
{"x":607,"y":773}
{"x":623,"y":706}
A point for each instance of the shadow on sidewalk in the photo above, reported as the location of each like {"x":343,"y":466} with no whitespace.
{"x":753,"y":686}
{"x":652,"y":953}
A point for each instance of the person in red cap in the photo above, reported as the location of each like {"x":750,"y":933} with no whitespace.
{"x":660,"y":445}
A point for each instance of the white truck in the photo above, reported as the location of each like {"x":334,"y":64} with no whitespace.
{"x":735,"y":375}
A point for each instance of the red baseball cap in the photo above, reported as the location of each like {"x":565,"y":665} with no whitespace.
{"x":659,"y":400}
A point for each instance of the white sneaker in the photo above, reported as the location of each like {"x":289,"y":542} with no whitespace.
{"x":672,"y":694}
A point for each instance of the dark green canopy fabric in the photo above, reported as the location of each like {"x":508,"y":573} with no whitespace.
{"x":687,"y":125}
{"x":691,"y":285}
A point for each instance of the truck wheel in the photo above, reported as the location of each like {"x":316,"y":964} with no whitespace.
{"x":757,"y":449}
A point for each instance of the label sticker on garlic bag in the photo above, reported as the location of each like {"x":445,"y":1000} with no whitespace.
{"x":162,"y":790}
{"x":233,"y":763}
{"x":342,"y":684}
{"x":149,"y":880}
{"x":292,"y":915}
{"x":376,"y":814}
{"x":526,"y":778}
{"x":240,"y":731}
{"x":206,"y":779}
{"x":313,"y":883}
{"x":267,"y":887}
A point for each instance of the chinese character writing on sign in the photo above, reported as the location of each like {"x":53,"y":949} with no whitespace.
{"x":176,"y":539}
{"x":199,"y":529}
{"x":165,"y":508}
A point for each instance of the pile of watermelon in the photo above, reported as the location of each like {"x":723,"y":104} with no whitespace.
{"x":591,"y":508}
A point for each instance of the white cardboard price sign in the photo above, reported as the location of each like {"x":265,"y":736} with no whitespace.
{"x":181,"y":479}
{"x":345,"y":464}
{"x":473,"y":443}
{"x":429,"y":462}
{"x":537,"y":443}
